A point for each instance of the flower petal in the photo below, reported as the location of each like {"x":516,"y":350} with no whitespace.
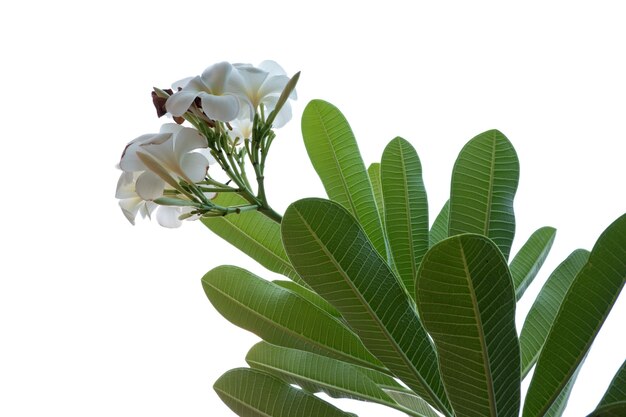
{"x":222,"y":108}
{"x":272,"y":67}
{"x":188,"y":139}
{"x":194,"y":166}
{"x":126,"y":186}
{"x":181,"y":83}
{"x":149,"y":186}
{"x":170,"y":128}
{"x":168,"y":216}
{"x":178,"y":103}
{"x":130,"y":207}
{"x":215,"y":77}
{"x":273,"y":86}
{"x":283,"y":116}
{"x":129,"y":161}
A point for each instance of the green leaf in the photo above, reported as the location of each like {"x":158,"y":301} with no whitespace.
{"x":406,"y":209}
{"x":281,"y":317}
{"x":309,"y":295}
{"x":374,"y":173}
{"x":617,"y":409}
{"x":253,"y":393}
{"x":332,"y":253}
{"x":484,"y":182}
{"x":617,"y":388}
{"x":254,"y":234}
{"x":541,"y":316}
{"x":439,"y":230}
{"x":558,"y":406}
{"x":583,"y":311}
{"x":528,"y":261}
{"x":316,"y":373}
{"x":466,"y":301}
{"x":335,"y":156}
{"x":412,"y":402}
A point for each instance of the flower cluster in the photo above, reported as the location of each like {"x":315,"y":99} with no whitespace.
{"x":225,"y":116}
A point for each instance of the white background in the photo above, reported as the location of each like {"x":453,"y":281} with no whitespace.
{"x":99,"y":318}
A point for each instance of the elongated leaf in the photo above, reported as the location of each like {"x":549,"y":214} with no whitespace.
{"x":560,"y":404}
{"x":316,"y":373}
{"x":374,"y":173}
{"x":484,"y":182}
{"x":439,"y":230}
{"x":466,"y":301}
{"x":617,"y":388}
{"x":541,"y":316}
{"x":617,"y":409}
{"x":578,"y":321}
{"x":332,"y":253}
{"x":309,"y":295}
{"x":252,"y":233}
{"x":281,"y":317}
{"x":336,"y":158}
{"x":412,"y":402}
{"x":253,"y":393}
{"x":406,"y":209}
{"x":528,"y":261}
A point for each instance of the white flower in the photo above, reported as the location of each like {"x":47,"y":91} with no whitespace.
{"x":217,"y":104}
{"x":261,"y":85}
{"x":242,"y":130}
{"x":163,"y":157}
{"x":130,"y":202}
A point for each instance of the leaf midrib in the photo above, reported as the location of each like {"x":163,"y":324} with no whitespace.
{"x":481,"y":334}
{"x":337,"y":166}
{"x":304,"y":340}
{"x":374,"y":317}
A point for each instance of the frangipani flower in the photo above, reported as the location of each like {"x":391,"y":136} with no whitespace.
{"x":165,"y":157}
{"x":130,"y":202}
{"x":263,"y":85}
{"x":242,"y":130}
{"x":217,"y":104}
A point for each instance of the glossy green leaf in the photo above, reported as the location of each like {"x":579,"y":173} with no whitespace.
{"x":316,"y":373}
{"x":528,"y":261}
{"x":617,"y":388}
{"x":484,"y":182}
{"x":617,"y":409}
{"x":252,"y":233}
{"x":406,"y":209}
{"x":583,"y":311}
{"x":541,"y":316}
{"x":439,"y":229}
{"x":466,"y":301}
{"x":374,"y":173}
{"x":309,"y":295}
{"x":281,"y":317}
{"x":337,"y":160}
{"x":332,"y":253}
{"x":253,"y":393}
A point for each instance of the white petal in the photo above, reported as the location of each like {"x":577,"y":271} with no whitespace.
{"x":162,"y":150}
{"x":168,"y":216}
{"x":149,"y":186}
{"x":273,"y":86}
{"x":125,"y":186}
{"x":130,"y":207}
{"x":215,"y":77}
{"x":129,"y":161}
{"x":170,"y":128}
{"x":283,"y":116}
{"x":181,"y":83}
{"x":222,"y":108}
{"x":188,"y":139}
{"x":194,"y":166}
{"x":253,"y":79}
{"x":178,"y":103}
{"x":272,"y":67}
